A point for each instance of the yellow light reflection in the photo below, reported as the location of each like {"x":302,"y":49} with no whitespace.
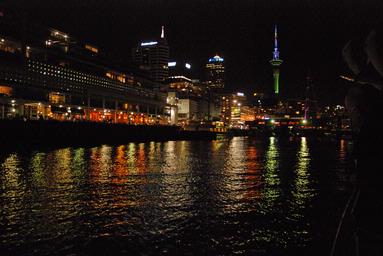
{"x":38,"y":165}
{"x":301,"y":192}
{"x":120,"y":168}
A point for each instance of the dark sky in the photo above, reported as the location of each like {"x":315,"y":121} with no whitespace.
{"x":312,"y":34}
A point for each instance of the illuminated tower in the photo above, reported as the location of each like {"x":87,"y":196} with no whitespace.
{"x":276,"y":62}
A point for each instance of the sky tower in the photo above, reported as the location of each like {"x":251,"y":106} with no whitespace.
{"x":276,"y":62}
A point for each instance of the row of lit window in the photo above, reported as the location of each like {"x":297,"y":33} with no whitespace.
{"x":62,"y":73}
{"x":67,"y":74}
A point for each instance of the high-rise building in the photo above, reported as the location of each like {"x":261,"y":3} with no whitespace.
{"x":231,"y":105}
{"x":153,"y":56}
{"x":215,"y":70}
{"x":276,"y":62}
{"x":311,"y":106}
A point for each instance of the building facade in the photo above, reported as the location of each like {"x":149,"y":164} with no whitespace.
{"x":231,"y":109}
{"x":47,"y":74}
{"x":153,"y":57}
{"x":215,"y":73}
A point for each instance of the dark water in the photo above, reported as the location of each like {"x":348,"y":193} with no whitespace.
{"x":266,"y":196}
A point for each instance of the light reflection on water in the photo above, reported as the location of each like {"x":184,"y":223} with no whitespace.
{"x":225,"y":196}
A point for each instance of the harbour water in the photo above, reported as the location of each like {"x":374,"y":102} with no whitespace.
{"x":258,"y":196}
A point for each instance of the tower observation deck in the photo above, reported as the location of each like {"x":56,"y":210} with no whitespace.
{"x":276,"y":62}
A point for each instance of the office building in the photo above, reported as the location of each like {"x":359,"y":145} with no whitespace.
{"x":215,"y":73}
{"x":153,"y":57}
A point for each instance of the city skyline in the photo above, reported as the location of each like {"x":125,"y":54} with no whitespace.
{"x":200,"y":127}
{"x":197,"y":30}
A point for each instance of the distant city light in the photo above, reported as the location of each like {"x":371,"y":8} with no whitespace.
{"x":172,"y":64}
{"x":148,"y":43}
{"x":240,"y":94}
{"x":180,"y":77}
{"x":188,"y":66}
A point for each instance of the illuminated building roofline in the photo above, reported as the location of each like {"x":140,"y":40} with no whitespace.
{"x":180,"y":77}
{"x":216,"y":58}
{"x":149,"y":43}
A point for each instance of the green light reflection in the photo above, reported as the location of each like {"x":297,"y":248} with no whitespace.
{"x":271,"y":176}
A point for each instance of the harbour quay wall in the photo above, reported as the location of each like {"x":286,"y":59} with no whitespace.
{"x":54,"y":133}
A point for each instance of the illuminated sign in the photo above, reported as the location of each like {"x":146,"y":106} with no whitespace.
{"x":187,"y":65}
{"x":216,"y":58}
{"x":240,"y":94}
{"x":148,"y":43}
{"x":172,"y":64}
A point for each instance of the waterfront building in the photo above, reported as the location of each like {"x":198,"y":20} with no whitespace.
{"x":47,"y":74}
{"x":231,"y":105}
{"x":276,"y":63}
{"x":190,"y":98}
{"x":215,"y":73}
{"x":247,"y":114}
{"x":187,"y":111}
{"x":153,"y":57}
{"x":172,"y":101}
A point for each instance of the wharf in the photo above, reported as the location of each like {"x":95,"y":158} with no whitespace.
{"x":16,"y":133}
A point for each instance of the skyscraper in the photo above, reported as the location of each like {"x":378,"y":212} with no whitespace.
{"x":276,"y":62}
{"x":153,"y":56}
{"x":215,"y":70}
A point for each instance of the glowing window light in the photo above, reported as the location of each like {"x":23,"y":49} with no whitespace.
{"x":188,"y":66}
{"x":172,"y":64}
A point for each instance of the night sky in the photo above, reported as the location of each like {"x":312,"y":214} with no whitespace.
{"x":312,"y":34}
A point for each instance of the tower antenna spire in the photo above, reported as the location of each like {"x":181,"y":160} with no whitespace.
{"x":276,"y":37}
{"x":163,"y":32}
{"x":276,"y":51}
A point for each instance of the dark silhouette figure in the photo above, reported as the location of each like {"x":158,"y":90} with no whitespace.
{"x":364,"y":101}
